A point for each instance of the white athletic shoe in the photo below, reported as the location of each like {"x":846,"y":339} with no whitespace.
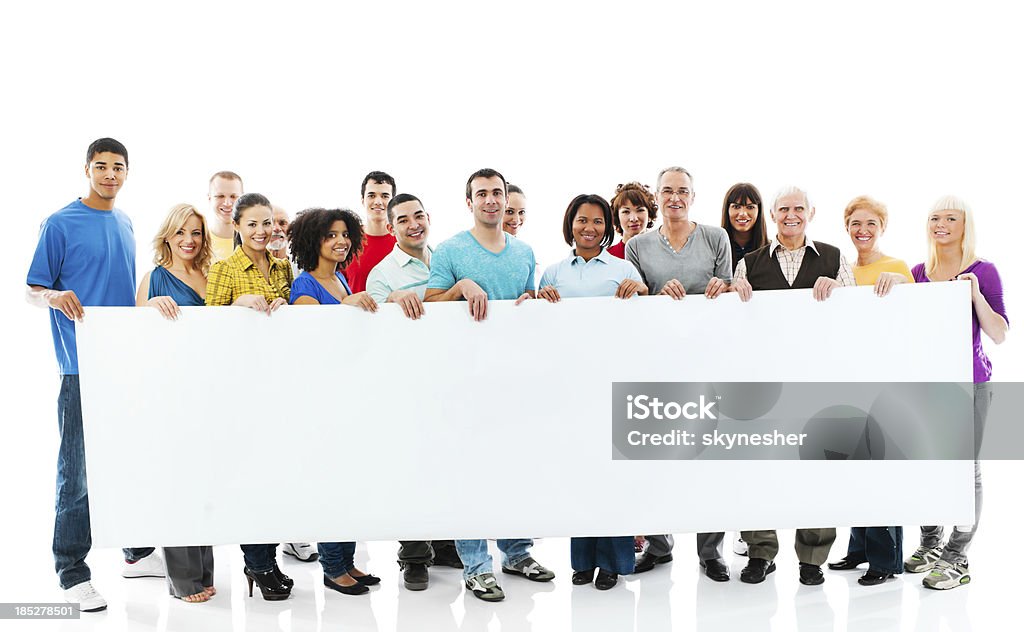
{"x":150,"y":566}
{"x":85,"y":597}
{"x":739,"y":547}
{"x":946,"y":575}
{"x":303,"y":551}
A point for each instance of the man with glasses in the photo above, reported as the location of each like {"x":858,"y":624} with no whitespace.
{"x":682,"y":257}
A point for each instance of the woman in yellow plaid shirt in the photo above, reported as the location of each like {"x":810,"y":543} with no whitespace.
{"x":251,"y":277}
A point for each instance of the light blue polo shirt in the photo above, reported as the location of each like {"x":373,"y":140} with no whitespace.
{"x":601,"y":276}
{"x":398,"y":271}
{"x":504,"y":276}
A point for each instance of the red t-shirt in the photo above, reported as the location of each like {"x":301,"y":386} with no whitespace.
{"x":619,"y":250}
{"x":374,"y":250}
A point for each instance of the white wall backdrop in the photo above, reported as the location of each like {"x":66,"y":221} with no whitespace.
{"x":904,"y":102}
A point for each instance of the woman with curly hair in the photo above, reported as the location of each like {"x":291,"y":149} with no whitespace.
{"x":323,"y":242}
{"x":634,"y":210}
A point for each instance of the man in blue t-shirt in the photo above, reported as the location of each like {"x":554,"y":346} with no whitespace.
{"x":85,"y":256}
{"x":481,"y":264}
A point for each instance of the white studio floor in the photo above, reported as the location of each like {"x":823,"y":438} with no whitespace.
{"x":672,"y":597}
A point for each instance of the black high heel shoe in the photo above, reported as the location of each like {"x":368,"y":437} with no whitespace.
{"x":270,"y":587}
{"x":281,"y":577}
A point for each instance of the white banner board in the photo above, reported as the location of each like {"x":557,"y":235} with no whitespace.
{"x":328,"y":423}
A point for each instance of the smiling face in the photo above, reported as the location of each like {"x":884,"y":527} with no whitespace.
{"x":675,"y":194}
{"x":186,"y":242}
{"x":791,"y":216}
{"x":336,"y":245}
{"x":279,"y":236}
{"x":588,"y":228}
{"x":865,"y":227}
{"x":106,"y":172}
{"x":743,"y":216}
{"x":224,"y":192}
{"x":946,"y":227}
{"x":515,"y":213}
{"x":411,"y":227}
{"x":633,"y":219}
{"x":375,"y":201}
{"x":254,"y":226}
{"x":487,"y":200}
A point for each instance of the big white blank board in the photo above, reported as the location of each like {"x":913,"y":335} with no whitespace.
{"x":326,"y":423}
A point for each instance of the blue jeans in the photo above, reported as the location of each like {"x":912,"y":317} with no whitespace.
{"x":259,"y":558}
{"x":477,"y":561}
{"x":336,"y":558}
{"x":612,"y":554}
{"x":882,"y":547}
{"x":72,"y":537}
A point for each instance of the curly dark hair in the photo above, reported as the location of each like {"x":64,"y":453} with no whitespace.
{"x":638,"y":195}
{"x":307,"y":233}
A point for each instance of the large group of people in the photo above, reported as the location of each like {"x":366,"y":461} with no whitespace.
{"x":247,"y":252}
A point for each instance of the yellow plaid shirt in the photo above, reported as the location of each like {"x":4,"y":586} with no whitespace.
{"x":238,"y":275}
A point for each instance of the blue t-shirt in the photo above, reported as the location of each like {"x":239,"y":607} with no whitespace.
{"x":601,"y":276}
{"x":306,"y":285}
{"x":90,"y":252}
{"x":504,"y":276}
{"x":163,"y":283}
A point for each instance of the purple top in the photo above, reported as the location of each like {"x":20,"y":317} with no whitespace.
{"x":992,"y":289}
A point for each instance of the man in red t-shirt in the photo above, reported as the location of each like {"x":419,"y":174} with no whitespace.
{"x":377,"y":190}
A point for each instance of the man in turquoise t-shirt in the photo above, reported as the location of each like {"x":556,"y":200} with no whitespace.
{"x":85,"y":256}
{"x":484,"y":262}
{"x":478,"y":265}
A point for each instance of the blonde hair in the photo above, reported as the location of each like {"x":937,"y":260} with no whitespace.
{"x":863,"y":202}
{"x":967,"y":242}
{"x":176,"y":218}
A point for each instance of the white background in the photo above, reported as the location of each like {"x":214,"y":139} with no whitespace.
{"x":902,"y":101}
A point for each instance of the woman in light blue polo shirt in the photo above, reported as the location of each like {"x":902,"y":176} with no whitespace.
{"x":591,"y":271}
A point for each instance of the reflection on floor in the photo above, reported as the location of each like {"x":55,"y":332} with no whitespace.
{"x":675,"y":596}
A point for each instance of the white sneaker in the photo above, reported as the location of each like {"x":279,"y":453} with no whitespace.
{"x":85,"y":597}
{"x":303,"y":551}
{"x":150,"y":566}
{"x":739,"y":547}
{"x":946,"y":575}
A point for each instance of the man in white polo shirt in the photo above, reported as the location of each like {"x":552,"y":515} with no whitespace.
{"x":401,"y":276}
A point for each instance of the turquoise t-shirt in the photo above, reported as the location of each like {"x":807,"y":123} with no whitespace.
{"x":504,"y":276}
{"x":88,"y":251}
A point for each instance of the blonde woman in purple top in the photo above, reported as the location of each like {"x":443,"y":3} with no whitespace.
{"x":951,"y":257}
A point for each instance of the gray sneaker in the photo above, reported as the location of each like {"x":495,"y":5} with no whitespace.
{"x":530,"y":569}
{"x":485,"y":586}
{"x":946,"y":575}
{"x":923,"y":559}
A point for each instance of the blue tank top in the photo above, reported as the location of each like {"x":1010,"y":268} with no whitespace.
{"x":163,"y":283}
{"x":306,"y":285}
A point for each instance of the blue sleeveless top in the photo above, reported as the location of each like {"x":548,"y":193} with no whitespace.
{"x":306,"y":285}
{"x":163,"y":283}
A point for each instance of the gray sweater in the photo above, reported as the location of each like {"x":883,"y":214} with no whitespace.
{"x":706,"y":254}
